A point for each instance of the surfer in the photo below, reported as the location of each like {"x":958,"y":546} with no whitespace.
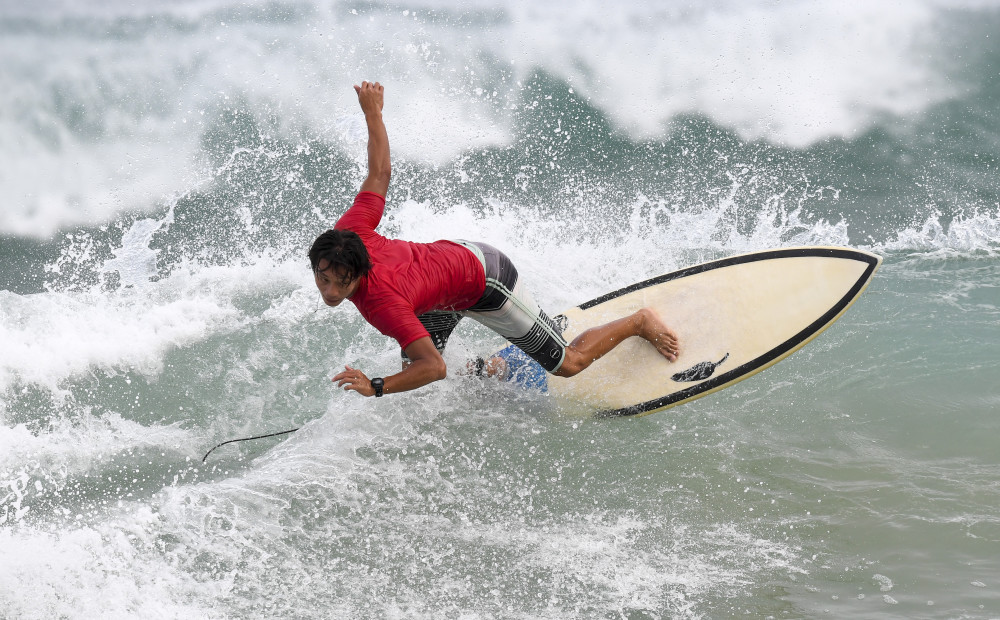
{"x":416,"y":293}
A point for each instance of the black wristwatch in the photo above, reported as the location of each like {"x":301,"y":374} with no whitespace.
{"x":379,"y":384}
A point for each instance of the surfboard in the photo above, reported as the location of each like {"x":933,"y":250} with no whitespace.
{"x":736,"y":316}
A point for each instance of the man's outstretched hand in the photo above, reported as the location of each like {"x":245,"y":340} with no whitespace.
{"x":370,"y":96}
{"x":354,"y":379}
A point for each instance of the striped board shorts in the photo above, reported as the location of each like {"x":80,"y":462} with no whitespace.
{"x":506,"y":308}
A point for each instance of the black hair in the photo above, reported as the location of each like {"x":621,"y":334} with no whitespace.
{"x":344,"y":251}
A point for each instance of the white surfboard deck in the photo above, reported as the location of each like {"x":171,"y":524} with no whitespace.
{"x":748,"y":311}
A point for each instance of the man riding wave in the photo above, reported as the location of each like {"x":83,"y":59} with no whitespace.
{"x":417,"y":293}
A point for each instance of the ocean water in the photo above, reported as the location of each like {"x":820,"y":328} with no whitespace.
{"x":165,"y":165}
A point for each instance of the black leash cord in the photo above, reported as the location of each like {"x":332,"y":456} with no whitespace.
{"x":247,"y":439}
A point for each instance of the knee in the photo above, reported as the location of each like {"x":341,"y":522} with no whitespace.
{"x":571,"y":364}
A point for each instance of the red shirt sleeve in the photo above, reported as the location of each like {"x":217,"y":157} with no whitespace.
{"x":364,"y":215}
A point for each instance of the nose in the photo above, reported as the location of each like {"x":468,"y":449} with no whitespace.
{"x":331,"y":295}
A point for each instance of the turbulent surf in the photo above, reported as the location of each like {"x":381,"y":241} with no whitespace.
{"x":165,"y":167}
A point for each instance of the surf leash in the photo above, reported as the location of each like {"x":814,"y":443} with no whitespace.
{"x":291,"y":430}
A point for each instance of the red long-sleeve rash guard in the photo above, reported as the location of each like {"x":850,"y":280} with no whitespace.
{"x":408,"y":279}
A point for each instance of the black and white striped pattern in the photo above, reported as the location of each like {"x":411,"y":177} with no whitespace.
{"x":543,"y":342}
{"x":508,"y":309}
{"x":440,"y":324}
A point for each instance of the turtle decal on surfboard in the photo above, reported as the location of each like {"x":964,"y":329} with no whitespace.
{"x":698,"y":372}
{"x":735,"y":317}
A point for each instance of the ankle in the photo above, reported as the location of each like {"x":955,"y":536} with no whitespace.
{"x":642,"y":317}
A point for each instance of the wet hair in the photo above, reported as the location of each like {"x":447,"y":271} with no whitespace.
{"x":344,"y":251}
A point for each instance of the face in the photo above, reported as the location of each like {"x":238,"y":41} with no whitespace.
{"x":332,"y":285}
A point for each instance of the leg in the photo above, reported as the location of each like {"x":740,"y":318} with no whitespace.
{"x":596,"y":342}
{"x":510,"y":311}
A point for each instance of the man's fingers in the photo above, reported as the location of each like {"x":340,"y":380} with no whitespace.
{"x":350,"y":379}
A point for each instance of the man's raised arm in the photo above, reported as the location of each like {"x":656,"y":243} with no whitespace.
{"x":370,"y":96}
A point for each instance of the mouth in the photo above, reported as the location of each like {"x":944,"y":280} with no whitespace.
{"x":332,"y":302}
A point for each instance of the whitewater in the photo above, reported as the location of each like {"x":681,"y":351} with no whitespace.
{"x":166,"y":166}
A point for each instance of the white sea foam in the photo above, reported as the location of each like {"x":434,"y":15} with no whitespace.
{"x":966,"y":233}
{"x":884,"y":583}
{"x":92,"y":124}
{"x":49,"y":337}
{"x":34,"y":465}
{"x":90,"y":571}
{"x":71,"y":446}
{"x":793,"y":72}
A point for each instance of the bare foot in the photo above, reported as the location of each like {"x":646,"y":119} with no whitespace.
{"x":654,"y":330}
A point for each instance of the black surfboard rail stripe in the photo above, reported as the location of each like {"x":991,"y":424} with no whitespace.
{"x":778,"y":352}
